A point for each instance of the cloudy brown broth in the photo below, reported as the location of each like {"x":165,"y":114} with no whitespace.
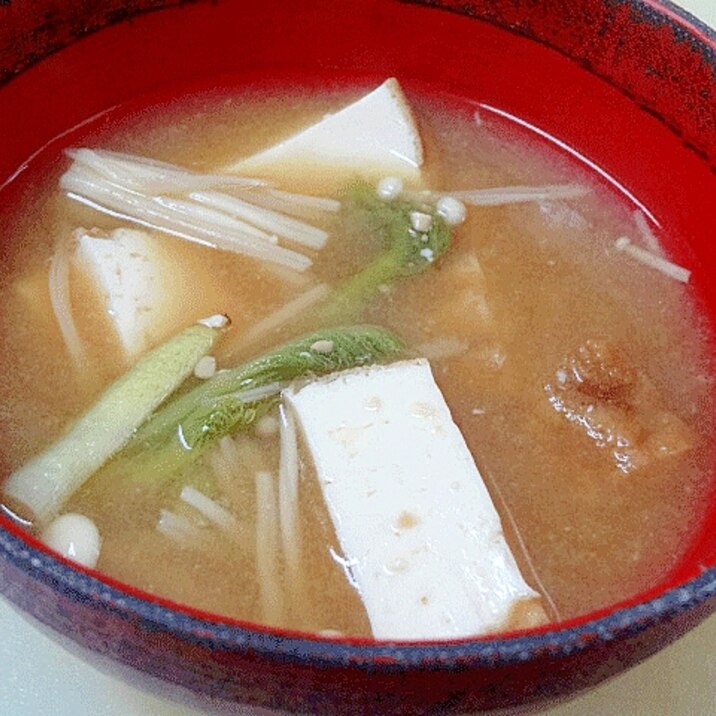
{"x":547,"y":280}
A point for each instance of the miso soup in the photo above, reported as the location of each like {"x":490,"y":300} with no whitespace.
{"x":567,"y":346}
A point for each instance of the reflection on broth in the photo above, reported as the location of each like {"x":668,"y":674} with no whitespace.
{"x":497,"y":276}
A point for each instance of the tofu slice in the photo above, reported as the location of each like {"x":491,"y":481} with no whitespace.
{"x":375,"y":135}
{"x":136,"y":279}
{"x":422,"y":540}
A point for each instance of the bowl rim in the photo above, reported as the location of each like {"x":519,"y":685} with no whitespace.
{"x":303,"y":648}
{"x":707,"y":32}
{"x":622,"y":619}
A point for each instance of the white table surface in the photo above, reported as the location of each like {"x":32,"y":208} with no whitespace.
{"x":38,"y":678}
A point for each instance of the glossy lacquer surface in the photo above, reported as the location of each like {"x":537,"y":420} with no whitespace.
{"x":652,"y":138}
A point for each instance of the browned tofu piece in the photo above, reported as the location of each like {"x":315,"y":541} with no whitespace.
{"x":619,"y":409}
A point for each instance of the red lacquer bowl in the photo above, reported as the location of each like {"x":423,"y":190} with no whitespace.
{"x":628,"y":85}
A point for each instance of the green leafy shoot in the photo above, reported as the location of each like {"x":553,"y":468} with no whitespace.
{"x":44,"y":483}
{"x":234,"y":399}
{"x":405,"y":251}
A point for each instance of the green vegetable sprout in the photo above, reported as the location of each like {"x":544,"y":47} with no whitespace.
{"x":406,"y":251}
{"x":184,"y":428}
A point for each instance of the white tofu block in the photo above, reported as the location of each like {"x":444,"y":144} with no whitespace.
{"x":422,"y":540}
{"x":132,"y":273}
{"x":375,"y":134}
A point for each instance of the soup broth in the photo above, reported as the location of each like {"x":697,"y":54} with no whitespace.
{"x":526,"y":292}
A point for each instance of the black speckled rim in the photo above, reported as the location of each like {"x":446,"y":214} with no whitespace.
{"x":376,"y":656}
{"x":650,"y":10}
{"x":387,"y":656}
